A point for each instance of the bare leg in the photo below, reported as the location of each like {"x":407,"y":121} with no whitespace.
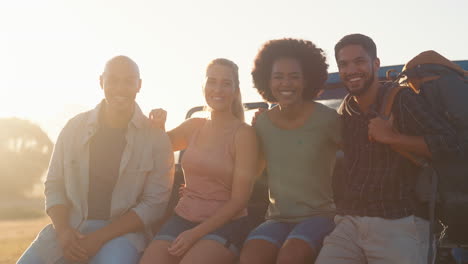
{"x":258,"y":251}
{"x":296,"y":251}
{"x":157,"y":253}
{"x":208,"y":252}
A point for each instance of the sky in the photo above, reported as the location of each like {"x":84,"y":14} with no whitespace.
{"x":53,"y":51}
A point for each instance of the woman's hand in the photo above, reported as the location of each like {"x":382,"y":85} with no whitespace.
{"x":184,"y":242}
{"x":158,"y":118}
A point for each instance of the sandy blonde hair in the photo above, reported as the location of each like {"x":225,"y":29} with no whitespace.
{"x":237,"y":107}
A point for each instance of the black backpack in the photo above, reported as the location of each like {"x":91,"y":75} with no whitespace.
{"x":445,"y":86}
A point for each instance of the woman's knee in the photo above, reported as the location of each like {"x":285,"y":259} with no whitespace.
{"x":157,"y":252}
{"x":258,"y":251}
{"x":208,"y":252}
{"x":296,"y":251}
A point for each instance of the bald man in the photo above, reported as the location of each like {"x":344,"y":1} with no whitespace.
{"x":109,"y":179}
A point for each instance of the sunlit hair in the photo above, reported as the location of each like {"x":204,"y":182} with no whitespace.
{"x":312,"y":61}
{"x":237,"y":107}
{"x":357,"y":39}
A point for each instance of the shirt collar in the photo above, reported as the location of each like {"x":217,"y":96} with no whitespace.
{"x":351,"y":107}
{"x":138,"y":119}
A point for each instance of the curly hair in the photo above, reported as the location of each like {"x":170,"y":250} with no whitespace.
{"x":311,"y":58}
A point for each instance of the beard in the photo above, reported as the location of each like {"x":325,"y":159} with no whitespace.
{"x":367,"y":84}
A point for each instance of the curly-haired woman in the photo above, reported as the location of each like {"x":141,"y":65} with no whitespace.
{"x":299,"y":139}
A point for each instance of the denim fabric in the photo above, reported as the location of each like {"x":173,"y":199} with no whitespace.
{"x":231,"y":235}
{"x":117,"y":251}
{"x":311,"y":230}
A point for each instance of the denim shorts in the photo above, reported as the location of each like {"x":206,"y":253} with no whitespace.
{"x":311,"y":230}
{"x":231,"y":235}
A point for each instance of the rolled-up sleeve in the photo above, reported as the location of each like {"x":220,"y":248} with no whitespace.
{"x":54,"y":183}
{"x":419,"y":117}
{"x":158,"y":185}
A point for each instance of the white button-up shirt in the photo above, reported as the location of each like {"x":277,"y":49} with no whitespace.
{"x":143,"y":185}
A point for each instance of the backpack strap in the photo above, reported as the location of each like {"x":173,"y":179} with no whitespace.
{"x":388,"y":100}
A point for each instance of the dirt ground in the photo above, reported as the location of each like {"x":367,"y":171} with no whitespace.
{"x":16,"y":235}
{"x":21,"y":219}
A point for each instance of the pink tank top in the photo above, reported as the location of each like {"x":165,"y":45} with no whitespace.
{"x":208,"y":177}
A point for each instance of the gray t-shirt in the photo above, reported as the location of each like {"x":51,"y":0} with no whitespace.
{"x":105,"y":151}
{"x":300,"y":164}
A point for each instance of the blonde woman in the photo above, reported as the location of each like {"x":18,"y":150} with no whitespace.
{"x":220,"y":162}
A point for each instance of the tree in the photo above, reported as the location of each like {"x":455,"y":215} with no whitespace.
{"x":25,"y":150}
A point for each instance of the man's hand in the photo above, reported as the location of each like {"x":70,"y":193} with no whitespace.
{"x":92,"y":243}
{"x":181,"y":190}
{"x":158,"y":118}
{"x":68,"y":240}
{"x":183,"y":242}
{"x":257,"y":113}
{"x":382,"y":130}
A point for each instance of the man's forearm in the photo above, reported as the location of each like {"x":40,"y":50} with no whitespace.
{"x":127,"y":223}
{"x":412,"y":144}
{"x":59,"y":214}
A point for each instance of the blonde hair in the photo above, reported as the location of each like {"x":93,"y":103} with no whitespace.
{"x":237,"y":107}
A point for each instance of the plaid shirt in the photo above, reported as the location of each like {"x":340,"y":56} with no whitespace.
{"x":377,"y":181}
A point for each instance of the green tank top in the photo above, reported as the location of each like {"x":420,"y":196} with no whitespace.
{"x":300,"y":165}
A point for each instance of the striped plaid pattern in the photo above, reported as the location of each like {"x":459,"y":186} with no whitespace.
{"x":377,"y":181}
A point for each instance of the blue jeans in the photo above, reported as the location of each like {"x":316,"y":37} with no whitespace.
{"x":118,"y":250}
